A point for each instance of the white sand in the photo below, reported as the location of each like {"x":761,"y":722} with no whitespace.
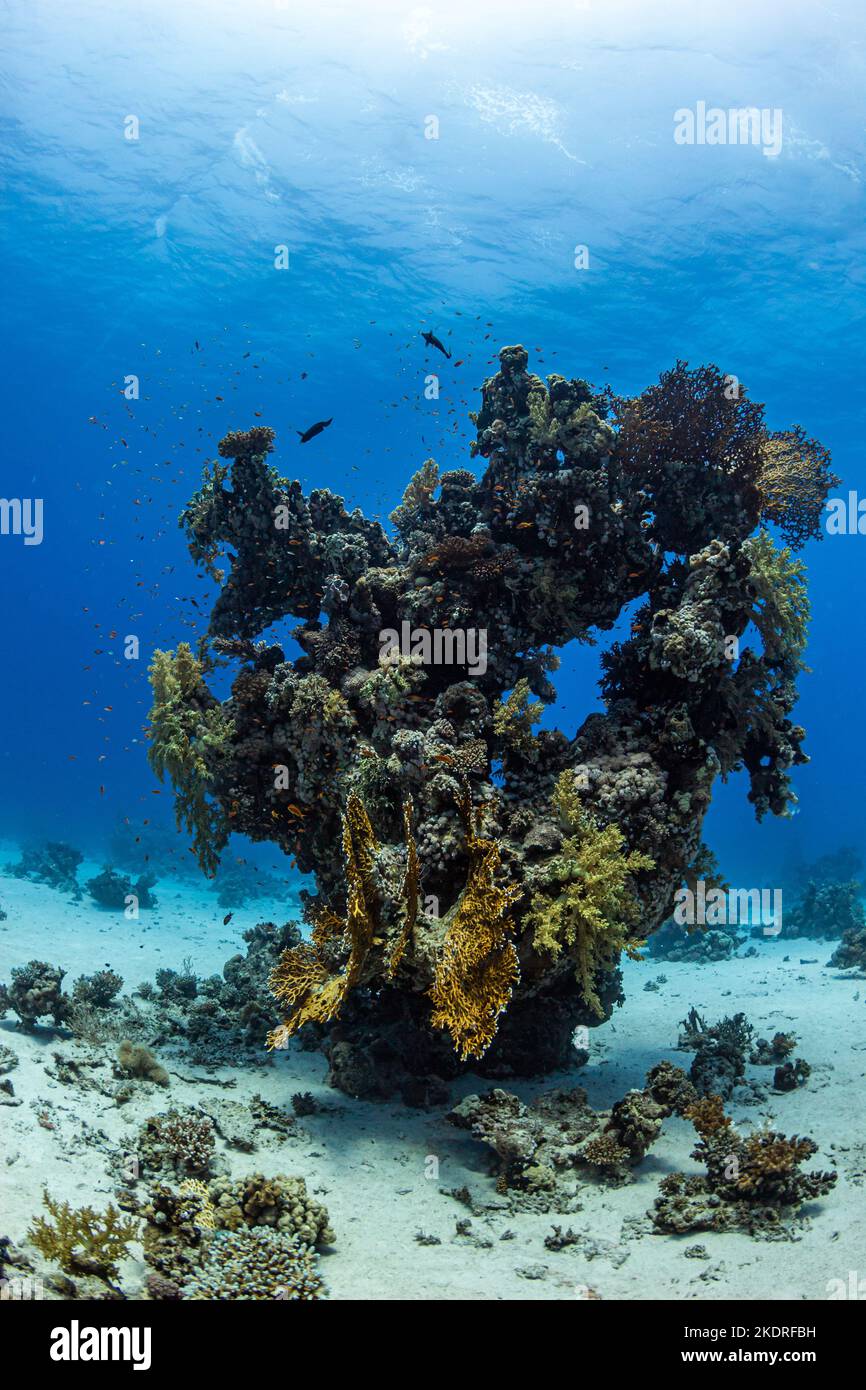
{"x":370,"y":1163}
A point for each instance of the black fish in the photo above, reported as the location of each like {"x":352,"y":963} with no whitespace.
{"x":432,"y":341}
{"x":307,"y":435}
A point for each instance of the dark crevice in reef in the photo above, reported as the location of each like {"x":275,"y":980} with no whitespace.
{"x":460,"y":923}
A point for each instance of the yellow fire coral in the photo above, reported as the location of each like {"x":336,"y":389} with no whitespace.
{"x":793,"y":481}
{"x":302,"y":978}
{"x":410,"y":894}
{"x":478,"y":967}
{"x":594,"y":907}
{"x":188,"y":736}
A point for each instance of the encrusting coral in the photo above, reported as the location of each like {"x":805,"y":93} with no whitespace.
{"x":425,"y":657}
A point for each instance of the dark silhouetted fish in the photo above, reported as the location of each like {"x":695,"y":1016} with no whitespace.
{"x":432,"y":341}
{"x":307,"y":435}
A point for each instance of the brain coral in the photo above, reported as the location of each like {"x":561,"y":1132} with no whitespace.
{"x":396,"y":759}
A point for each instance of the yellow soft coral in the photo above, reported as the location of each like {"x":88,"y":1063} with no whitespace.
{"x":513,"y":718}
{"x":302,"y":978}
{"x":188,"y":737}
{"x":478,"y":968}
{"x":782,"y":611}
{"x":594,"y":907}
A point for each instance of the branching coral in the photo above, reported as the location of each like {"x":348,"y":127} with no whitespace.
{"x":753,"y":1183}
{"x":178,"y":1141}
{"x":255,"y":1264}
{"x":513,"y":719}
{"x":594,"y":910}
{"x":82,"y":1239}
{"x":781,"y":613}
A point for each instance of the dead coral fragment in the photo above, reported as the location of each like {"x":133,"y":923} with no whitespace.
{"x":302,"y":978}
{"x":591,"y":915}
{"x":189,"y":735}
{"x":83,"y":1241}
{"x":478,"y":967}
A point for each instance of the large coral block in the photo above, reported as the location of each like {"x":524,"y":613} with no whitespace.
{"x":492,"y":873}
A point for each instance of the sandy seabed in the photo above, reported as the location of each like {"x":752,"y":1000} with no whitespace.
{"x":371,"y":1163}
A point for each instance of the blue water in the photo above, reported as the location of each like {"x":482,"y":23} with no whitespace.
{"x":263,"y":125}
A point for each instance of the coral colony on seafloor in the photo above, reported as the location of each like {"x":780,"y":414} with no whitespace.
{"x":477,"y":880}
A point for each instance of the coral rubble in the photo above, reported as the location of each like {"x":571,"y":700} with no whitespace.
{"x":543,"y":1147}
{"x":492,"y":873}
{"x":753,"y":1183}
